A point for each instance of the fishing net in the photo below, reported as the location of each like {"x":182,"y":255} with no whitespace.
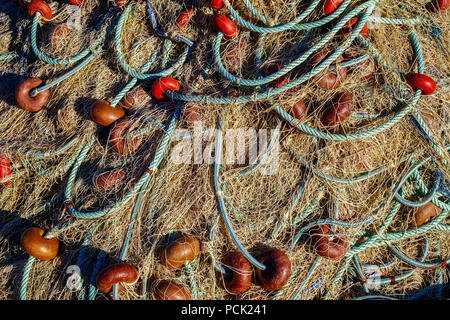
{"x":249,"y":149}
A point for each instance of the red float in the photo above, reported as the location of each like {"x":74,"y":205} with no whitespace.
{"x":27,"y":102}
{"x":137,"y":95}
{"x":365,"y":68}
{"x":166,"y":290}
{"x":216,"y":4}
{"x":239,"y":276}
{"x":36,"y":245}
{"x":108,"y":180}
{"x":272,"y":68}
{"x":234,"y":56}
{"x":225,"y":25}
{"x":326,"y":245}
{"x":191,"y":114}
{"x":339,"y":111}
{"x":75,"y":2}
{"x":164,"y":83}
{"x":348,"y":30}
{"x":115,"y":274}
{"x":438,"y":6}
{"x":329,"y":79}
{"x":420,"y":81}
{"x":43,"y":8}
{"x":299,"y":111}
{"x":277,"y":272}
{"x":179,"y":251}
{"x":330,"y":5}
{"x":350,"y":23}
{"x":66,"y":117}
{"x":57,"y":33}
{"x":185,"y":17}
{"x":5,"y":170}
{"x":119,"y":137}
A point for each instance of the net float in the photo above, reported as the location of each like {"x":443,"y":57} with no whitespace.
{"x":166,"y":290}
{"x":225,"y":25}
{"x":424,"y":213}
{"x":348,"y":28}
{"x":272,"y":68}
{"x":37,"y":246}
{"x":438,"y":6}
{"x":363,"y":33}
{"x":191,"y":114}
{"x":432,"y":121}
{"x":5,"y":170}
{"x":57,"y":33}
{"x":127,"y":101}
{"x":233,"y":57}
{"x":339,"y":110}
{"x":66,"y":117}
{"x":330,"y":5}
{"x":121,"y":3}
{"x":75,"y":2}
{"x":116,"y":274}
{"x":108,"y":180}
{"x":350,"y":23}
{"x":135,"y":96}
{"x":164,"y":83}
{"x":28,"y":102}
{"x":420,"y":81}
{"x":362,"y":160}
{"x":185,"y":17}
{"x":329,"y":79}
{"x":277,"y":272}
{"x":216,"y":4}
{"x":40,"y":6}
{"x":365,"y":68}
{"x":238,"y":277}
{"x":119,"y":138}
{"x":103,"y":114}
{"x":299,"y":111}
{"x":327,"y":245}
{"x":180,"y":251}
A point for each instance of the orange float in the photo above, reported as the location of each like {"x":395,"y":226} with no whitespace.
{"x":103,"y":114}
{"x":41,"y":7}
{"x":37,"y":246}
{"x":116,"y":274}
{"x":118,"y":139}
{"x":25,"y":100}
{"x":5,"y":170}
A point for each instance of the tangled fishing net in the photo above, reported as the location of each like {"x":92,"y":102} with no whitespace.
{"x":119,"y":179}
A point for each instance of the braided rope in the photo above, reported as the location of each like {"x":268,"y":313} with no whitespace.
{"x":43,"y":57}
{"x":25,"y":278}
{"x":159,"y":154}
{"x":223,"y":210}
{"x":127,"y":68}
{"x":308,"y":276}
